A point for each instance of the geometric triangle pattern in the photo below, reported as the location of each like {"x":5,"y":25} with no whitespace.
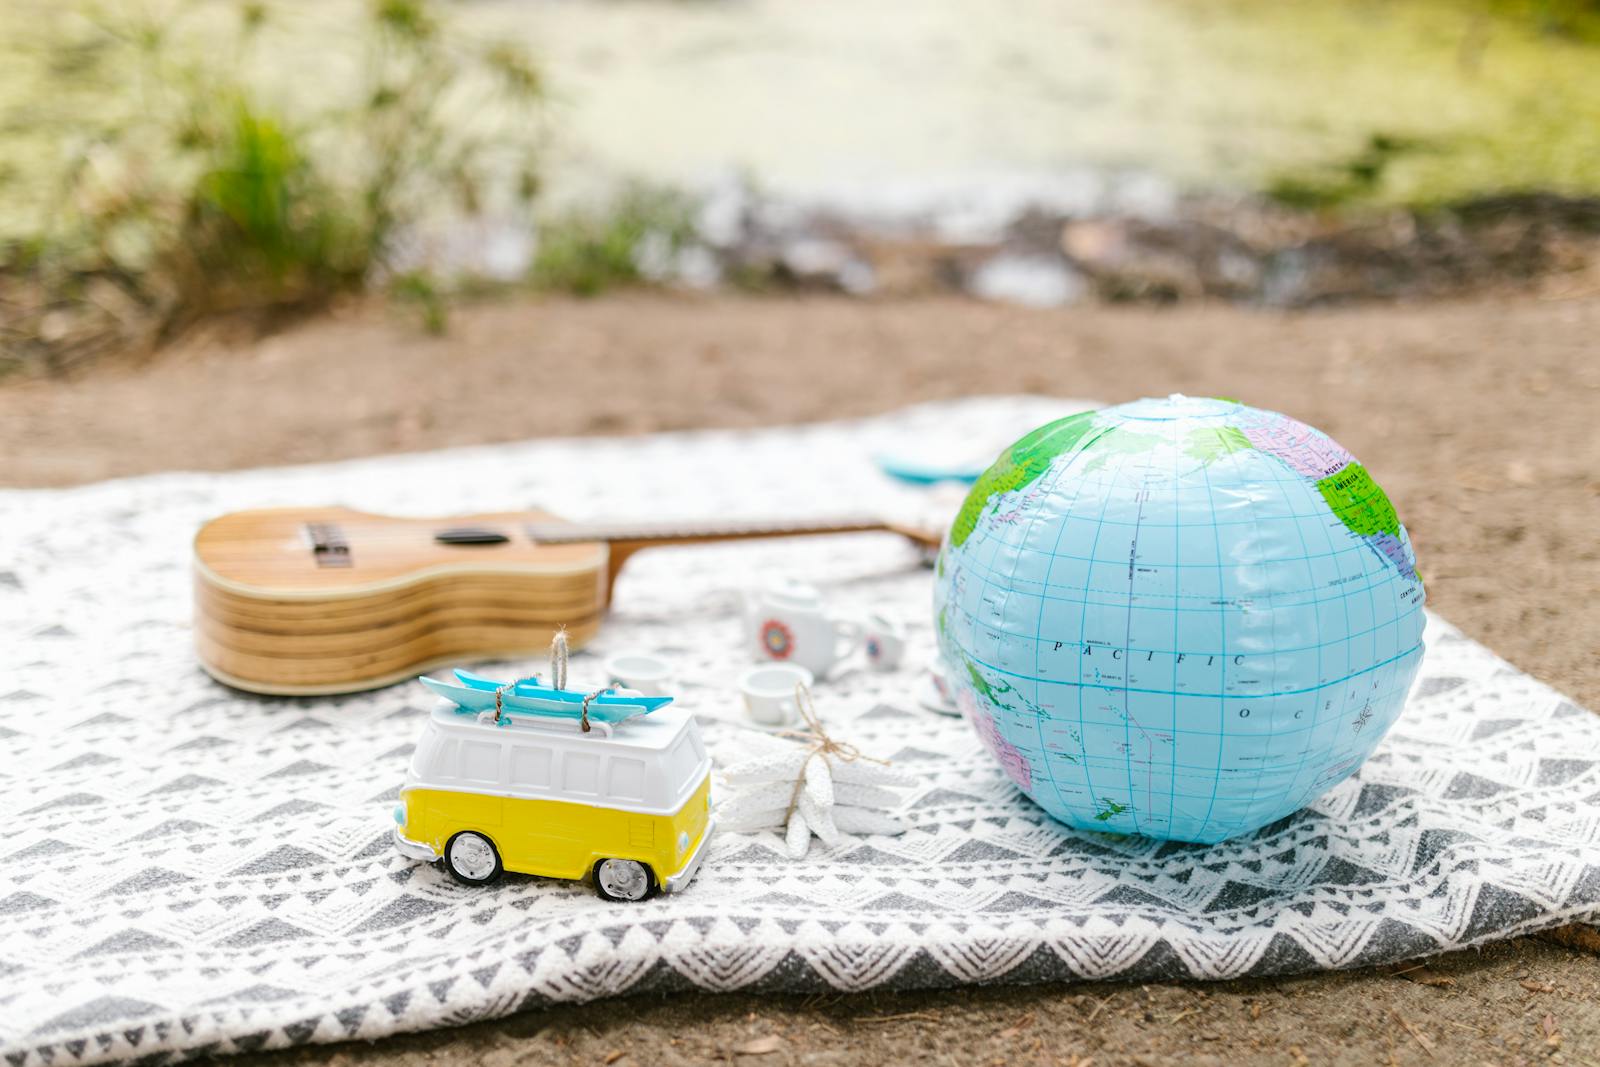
{"x":196,"y":871}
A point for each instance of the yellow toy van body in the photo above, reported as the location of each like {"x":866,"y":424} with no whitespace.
{"x":629,"y":804}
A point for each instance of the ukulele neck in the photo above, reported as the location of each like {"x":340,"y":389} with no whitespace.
{"x":638,"y":535}
{"x":626,"y":538}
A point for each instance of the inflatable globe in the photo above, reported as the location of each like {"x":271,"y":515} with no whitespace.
{"x":1183,"y":618}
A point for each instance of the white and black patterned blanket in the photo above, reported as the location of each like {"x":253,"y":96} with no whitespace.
{"x":190,"y":870}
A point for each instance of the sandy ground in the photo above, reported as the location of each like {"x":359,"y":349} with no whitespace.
{"x":1481,"y":419}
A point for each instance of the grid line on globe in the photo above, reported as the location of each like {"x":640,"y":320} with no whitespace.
{"x":1134,"y":617}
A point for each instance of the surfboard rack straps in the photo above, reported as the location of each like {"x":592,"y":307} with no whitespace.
{"x":583,"y":718}
{"x":537,"y":722}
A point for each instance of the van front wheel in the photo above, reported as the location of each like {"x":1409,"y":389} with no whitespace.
{"x":623,"y":880}
{"x":472,"y":858}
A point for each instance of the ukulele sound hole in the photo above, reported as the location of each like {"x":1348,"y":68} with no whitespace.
{"x":470,"y":535}
{"x":328,"y":545}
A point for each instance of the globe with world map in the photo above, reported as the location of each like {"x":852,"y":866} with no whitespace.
{"x":1184,"y":618}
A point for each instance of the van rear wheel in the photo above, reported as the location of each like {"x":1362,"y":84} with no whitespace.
{"x":472,"y":858}
{"x":623,"y":880}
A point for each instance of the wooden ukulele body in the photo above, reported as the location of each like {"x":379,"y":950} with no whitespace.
{"x":274,"y":613}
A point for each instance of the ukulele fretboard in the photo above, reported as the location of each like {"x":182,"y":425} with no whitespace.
{"x":691,"y":531}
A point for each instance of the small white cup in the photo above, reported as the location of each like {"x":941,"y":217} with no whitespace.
{"x":769,"y":692}
{"x":885,"y":642}
{"x":650,"y":675}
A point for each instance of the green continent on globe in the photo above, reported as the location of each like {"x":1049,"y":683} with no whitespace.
{"x":1359,"y":502}
{"x":1020,"y":465}
{"x":982,"y":685}
{"x":1118,"y":441}
{"x":1207,"y":444}
{"x":1109,"y":809}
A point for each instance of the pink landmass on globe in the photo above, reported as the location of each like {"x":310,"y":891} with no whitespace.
{"x":1306,"y":451}
{"x":1012,"y":761}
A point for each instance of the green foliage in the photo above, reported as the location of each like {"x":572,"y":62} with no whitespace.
{"x":1351,"y":104}
{"x":205,"y":177}
{"x":408,"y":20}
{"x":588,"y":250}
{"x":262,"y":220}
{"x":1353,"y":180}
{"x":421,"y":291}
{"x":1574,"y":19}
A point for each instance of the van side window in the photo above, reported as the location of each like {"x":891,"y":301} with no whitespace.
{"x":530,"y":766}
{"x":625,"y":778}
{"x":580,"y":772}
{"x":444,"y":760}
{"x":480,"y":761}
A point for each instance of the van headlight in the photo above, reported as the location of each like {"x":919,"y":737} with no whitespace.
{"x":683,"y":842}
{"x":400,"y":814}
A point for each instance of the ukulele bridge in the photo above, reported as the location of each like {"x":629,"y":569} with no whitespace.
{"x":328,"y":545}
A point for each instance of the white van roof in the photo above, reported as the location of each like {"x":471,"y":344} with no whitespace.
{"x":647,"y":765}
{"x":654,"y":732}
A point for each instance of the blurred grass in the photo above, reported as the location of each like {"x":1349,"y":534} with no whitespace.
{"x":177,"y":157}
{"x":626,"y":240}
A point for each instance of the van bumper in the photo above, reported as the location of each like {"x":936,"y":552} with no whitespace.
{"x":413,"y":850}
{"x":681,"y":880}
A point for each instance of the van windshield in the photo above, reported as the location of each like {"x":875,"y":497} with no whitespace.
{"x":425,"y":745}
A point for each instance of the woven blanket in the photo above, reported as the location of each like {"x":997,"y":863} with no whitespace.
{"x":191,"y":870}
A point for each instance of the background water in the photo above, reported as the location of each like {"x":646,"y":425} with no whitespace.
{"x":835,"y":93}
{"x":901,"y":99}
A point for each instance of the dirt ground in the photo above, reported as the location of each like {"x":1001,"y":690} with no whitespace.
{"x":1481,"y":419}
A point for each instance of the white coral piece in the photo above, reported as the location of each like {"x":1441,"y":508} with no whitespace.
{"x":793,"y":787}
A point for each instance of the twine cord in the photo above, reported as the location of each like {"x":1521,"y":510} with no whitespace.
{"x":821,"y":745}
{"x":558,"y":678}
{"x":583,"y":721}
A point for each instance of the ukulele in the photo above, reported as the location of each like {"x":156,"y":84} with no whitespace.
{"x":301,"y":601}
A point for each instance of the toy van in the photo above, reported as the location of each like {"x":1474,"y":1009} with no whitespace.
{"x":629,"y":805}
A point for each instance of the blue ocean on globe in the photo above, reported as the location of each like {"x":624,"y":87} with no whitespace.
{"x":1184,"y":618}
